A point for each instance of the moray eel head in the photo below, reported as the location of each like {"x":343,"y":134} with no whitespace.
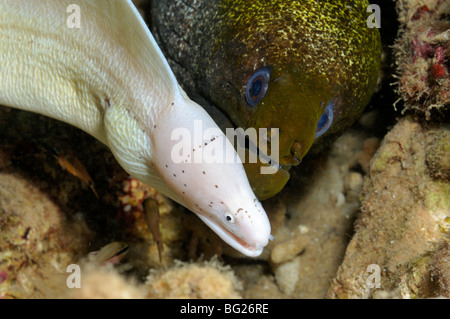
{"x":306,"y":68}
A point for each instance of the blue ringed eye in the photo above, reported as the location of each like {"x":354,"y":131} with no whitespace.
{"x":325,"y":120}
{"x":257,"y":86}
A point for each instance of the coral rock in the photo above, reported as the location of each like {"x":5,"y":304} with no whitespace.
{"x":404,"y":219}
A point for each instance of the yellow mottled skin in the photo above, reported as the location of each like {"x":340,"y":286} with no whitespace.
{"x":317,"y":51}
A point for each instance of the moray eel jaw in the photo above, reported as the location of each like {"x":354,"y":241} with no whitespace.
{"x":256,"y":238}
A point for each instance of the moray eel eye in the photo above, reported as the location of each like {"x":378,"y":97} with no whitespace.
{"x":325,"y":120}
{"x":257,"y":86}
{"x":229,"y":218}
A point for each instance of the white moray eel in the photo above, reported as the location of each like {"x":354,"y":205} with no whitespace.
{"x":110,"y":79}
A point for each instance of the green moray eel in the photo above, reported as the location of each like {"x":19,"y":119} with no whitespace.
{"x":305,"y":67}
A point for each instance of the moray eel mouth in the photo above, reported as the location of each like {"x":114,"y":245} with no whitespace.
{"x":266,"y":185}
{"x":294,"y":158}
{"x":289,"y":153}
{"x":245,"y":247}
{"x":285,"y":162}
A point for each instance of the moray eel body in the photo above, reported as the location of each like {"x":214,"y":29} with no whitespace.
{"x":95,"y":65}
{"x":306,"y":67}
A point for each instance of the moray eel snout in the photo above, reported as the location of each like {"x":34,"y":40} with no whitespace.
{"x":295,"y":105}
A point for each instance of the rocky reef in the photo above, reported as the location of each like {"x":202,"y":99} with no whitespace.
{"x":422,"y":50}
{"x":403,"y":227}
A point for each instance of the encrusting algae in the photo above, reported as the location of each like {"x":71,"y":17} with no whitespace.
{"x":37,"y":243}
{"x":202,"y":280}
{"x":422,"y":52}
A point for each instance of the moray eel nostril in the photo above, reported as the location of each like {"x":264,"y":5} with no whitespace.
{"x":296,"y":149}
